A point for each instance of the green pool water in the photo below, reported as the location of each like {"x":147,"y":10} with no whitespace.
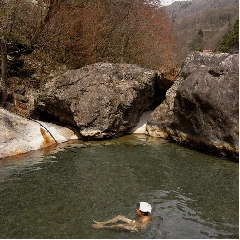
{"x":58,"y":191}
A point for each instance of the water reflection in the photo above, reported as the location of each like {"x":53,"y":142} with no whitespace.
{"x":56,"y":193}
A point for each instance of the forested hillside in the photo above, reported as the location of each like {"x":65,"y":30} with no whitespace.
{"x":44,"y":36}
{"x":201,"y":24}
{"x":78,"y":32}
{"x":182,"y":9}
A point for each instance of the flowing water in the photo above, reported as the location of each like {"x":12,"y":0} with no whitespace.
{"x":57,"y":192}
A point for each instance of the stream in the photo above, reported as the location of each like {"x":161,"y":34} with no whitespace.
{"x":56,"y":192}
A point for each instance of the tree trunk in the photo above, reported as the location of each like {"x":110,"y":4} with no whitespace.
{"x":3,"y":80}
{"x":52,"y":9}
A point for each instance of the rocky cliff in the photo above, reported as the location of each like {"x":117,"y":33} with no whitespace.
{"x":105,"y":100}
{"x":202,"y":108}
{"x":101,"y":100}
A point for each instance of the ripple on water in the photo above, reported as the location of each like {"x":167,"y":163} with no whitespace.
{"x":56,"y":193}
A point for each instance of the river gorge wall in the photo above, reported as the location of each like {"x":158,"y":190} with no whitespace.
{"x":202,"y":108}
{"x":198,"y":108}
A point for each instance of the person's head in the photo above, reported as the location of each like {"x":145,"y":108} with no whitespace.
{"x":143,"y":209}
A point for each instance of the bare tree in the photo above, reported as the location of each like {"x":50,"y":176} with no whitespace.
{"x":51,"y":10}
{"x":80,"y":32}
{"x":122,"y":31}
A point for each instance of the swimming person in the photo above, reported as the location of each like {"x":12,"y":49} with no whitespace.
{"x":143,"y":211}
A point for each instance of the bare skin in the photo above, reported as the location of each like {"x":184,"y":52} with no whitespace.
{"x":125,"y":223}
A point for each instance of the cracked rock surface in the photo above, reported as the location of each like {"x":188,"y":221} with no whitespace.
{"x":201,"y":109}
{"x":102,"y":100}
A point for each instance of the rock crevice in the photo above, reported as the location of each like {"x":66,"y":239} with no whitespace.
{"x":201,"y":108}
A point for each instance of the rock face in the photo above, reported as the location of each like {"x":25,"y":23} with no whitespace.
{"x":141,"y":126}
{"x":19,"y":135}
{"x":101,"y":100}
{"x":201,"y":109}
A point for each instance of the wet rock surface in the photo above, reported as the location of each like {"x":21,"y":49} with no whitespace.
{"x":20,"y":135}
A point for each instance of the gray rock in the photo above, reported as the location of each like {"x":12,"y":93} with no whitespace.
{"x":201,"y":109}
{"x":101,"y":100}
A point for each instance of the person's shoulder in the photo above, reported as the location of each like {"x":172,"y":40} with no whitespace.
{"x":145,"y":219}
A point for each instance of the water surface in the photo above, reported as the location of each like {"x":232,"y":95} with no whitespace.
{"x":57,"y":192}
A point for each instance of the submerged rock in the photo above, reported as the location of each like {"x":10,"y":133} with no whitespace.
{"x":101,"y":100}
{"x":201,"y":109}
{"x":20,"y":135}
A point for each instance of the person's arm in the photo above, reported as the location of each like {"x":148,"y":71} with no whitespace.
{"x":116,"y":219}
{"x":132,"y":228}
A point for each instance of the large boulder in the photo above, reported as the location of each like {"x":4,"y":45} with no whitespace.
{"x":101,"y":100}
{"x":201,"y":109}
{"x":20,"y":135}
